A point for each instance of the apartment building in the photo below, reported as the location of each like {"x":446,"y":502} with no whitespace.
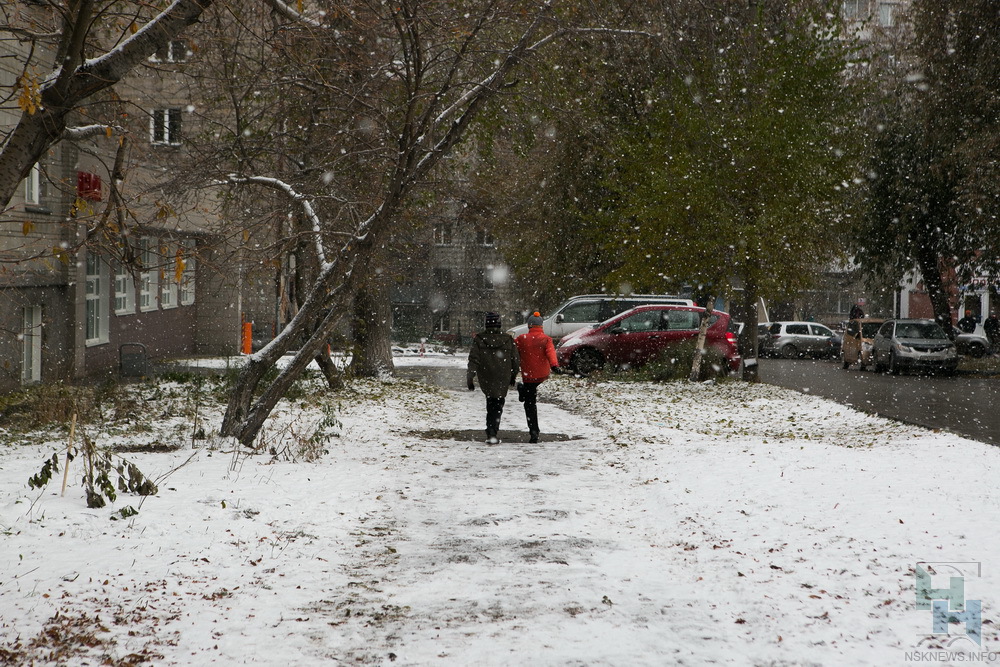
{"x":456,"y":276}
{"x":93,"y":264}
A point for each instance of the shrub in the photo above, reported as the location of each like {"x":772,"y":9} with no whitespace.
{"x":675,"y":364}
{"x":46,"y":404}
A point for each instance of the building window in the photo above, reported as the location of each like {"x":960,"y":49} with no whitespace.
{"x":124,"y":291}
{"x":149,"y":283}
{"x":887,"y":14}
{"x":187,"y":272}
{"x":169,"y":278}
{"x":442,"y":324}
{"x":442,"y":278}
{"x":166,"y":126}
{"x":175,"y":51}
{"x":96,"y":317}
{"x":32,"y":186}
{"x":854,"y":9}
{"x":442,"y":233}
{"x":484,"y":239}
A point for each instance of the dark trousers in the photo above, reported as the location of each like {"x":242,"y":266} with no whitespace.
{"x":530,"y":392}
{"x":494,"y":410}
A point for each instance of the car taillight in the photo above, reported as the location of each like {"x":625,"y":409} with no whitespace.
{"x":731,"y":338}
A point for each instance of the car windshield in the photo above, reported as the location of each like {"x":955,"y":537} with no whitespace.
{"x":869,"y":329}
{"x":919,"y":330}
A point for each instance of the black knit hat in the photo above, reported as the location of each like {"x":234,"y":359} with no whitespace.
{"x":492,"y":321}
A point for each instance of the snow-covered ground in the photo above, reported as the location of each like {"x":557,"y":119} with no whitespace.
{"x":685,"y":524}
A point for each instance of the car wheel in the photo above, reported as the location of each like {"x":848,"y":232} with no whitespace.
{"x":893,"y":364}
{"x":977,"y":350}
{"x":586,"y":361}
{"x":789,"y":351}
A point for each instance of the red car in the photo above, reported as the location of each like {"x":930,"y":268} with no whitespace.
{"x":640,"y":335}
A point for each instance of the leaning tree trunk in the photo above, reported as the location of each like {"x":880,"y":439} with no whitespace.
{"x":246,"y":413}
{"x":372,"y":335}
{"x":307,"y":269}
{"x":699,"y":347}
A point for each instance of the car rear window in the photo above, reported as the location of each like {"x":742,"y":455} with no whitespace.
{"x":869,"y":329}
{"x":587,"y":311}
{"x":647,"y":320}
{"x":683,"y":319}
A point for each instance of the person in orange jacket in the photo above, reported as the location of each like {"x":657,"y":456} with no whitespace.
{"x":538,"y":359}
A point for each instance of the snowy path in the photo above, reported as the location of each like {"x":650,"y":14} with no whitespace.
{"x":511,"y":554}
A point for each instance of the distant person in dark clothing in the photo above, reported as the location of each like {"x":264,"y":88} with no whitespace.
{"x":538,"y":359}
{"x":494,"y":360}
{"x":992,"y":328}
{"x":968,"y":323}
{"x":856,"y":312}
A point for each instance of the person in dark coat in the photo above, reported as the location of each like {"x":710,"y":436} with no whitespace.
{"x":538,"y":359}
{"x":968,"y":323}
{"x":992,"y":328}
{"x":494,"y":360}
{"x":857,"y":312}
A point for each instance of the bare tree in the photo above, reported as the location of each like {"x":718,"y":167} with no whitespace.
{"x":443,"y":67}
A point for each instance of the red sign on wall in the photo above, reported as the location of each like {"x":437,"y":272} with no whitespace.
{"x":88,"y":186}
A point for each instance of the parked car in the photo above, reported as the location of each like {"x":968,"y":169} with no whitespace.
{"x":975,"y":344}
{"x":798,"y":339}
{"x":856,"y":347}
{"x":907,"y":344}
{"x":588,"y":310}
{"x":639,"y":335}
{"x":763,"y":330}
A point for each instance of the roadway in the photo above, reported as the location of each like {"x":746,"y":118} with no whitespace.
{"x":965,"y":404}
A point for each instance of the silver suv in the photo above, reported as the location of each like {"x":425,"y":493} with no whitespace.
{"x":798,"y":339}
{"x":588,"y":310}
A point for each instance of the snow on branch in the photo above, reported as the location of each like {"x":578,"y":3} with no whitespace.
{"x":484,"y":86}
{"x":292,"y":14}
{"x":521,"y":49}
{"x":302,"y":200}
{"x":109,"y":68}
{"x":87,"y":131}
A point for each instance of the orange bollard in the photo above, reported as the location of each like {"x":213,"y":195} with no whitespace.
{"x":247,"y":340}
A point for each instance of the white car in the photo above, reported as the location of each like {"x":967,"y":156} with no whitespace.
{"x":588,"y":310}
{"x":797,"y":339}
